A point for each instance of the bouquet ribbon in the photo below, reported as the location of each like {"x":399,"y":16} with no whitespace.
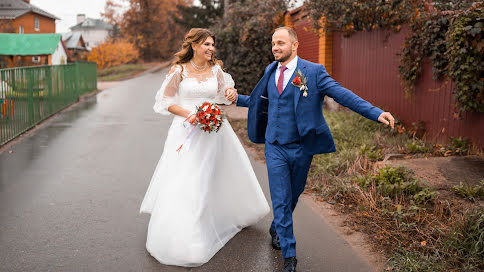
{"x":188,"y":140}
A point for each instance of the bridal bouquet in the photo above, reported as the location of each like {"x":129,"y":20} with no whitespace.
{"x":210,"y":117}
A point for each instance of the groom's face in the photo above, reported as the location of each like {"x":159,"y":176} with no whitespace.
{"x":283,"y":46}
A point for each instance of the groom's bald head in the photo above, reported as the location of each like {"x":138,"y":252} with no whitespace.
{"x":292,"y":33}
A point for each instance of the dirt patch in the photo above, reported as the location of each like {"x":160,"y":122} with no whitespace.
{"x":445,"y":172}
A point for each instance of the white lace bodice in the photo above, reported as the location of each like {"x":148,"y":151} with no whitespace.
{"x":189,"y":91}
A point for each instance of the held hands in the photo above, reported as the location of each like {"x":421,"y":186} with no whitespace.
{"x":231,"y":94}
{"x":387,"y":119}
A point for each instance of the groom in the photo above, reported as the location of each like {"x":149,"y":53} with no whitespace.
{"x":289,"y":120}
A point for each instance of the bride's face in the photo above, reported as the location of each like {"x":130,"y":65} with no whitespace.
{"x":205,"y":50}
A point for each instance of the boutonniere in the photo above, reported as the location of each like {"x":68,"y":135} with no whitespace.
{"x":300,"y":81}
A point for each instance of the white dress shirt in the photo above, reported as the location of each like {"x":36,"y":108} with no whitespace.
{"x":291,"y":67}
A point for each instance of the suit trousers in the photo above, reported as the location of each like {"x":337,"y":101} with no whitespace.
{"x":287,"y":168}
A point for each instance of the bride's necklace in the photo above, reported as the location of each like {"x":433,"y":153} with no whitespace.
{"x":198,"y":68}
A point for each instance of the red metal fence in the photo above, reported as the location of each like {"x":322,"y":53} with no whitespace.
{"x":367,"y":63}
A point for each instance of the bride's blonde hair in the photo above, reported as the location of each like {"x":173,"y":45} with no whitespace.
{"x":195,"y":36}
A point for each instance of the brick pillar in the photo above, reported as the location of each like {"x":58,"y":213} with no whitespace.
{"x":288,"y":20}
{"x":326,"y":50}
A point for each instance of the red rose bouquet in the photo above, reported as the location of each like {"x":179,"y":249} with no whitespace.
{"x":210,"y":117}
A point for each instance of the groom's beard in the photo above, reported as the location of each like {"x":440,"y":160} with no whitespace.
{"x":283,"y":58}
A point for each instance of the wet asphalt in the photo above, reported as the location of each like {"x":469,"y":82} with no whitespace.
{"x":70,"y":196}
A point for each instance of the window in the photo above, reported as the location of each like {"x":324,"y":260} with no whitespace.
{"x":36,"y":23}
{"x":36,"y":59}
{"x":21,"y":30}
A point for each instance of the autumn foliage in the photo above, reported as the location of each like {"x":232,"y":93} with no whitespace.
{"x":150,"y":26}
{"x":113,"y":53}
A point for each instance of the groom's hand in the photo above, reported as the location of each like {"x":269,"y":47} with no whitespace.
{"x":231,"y":94}
{"x":387,"y":119}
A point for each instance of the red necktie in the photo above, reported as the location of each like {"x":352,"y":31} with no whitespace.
{"x":280,"y":81}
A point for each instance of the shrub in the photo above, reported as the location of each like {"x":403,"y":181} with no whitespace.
{"x":244,"y":39}
{"x":113,"y":53}
{"x":396,"y":181}
{"x":417,"y":147}
{"x":351,"y":16}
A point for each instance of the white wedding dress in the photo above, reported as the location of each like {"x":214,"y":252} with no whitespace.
{"x":201,"y":197}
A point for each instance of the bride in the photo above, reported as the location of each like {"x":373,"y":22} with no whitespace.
{"x":200,"y":197}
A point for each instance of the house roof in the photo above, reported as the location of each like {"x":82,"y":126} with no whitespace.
{"x":91,"y":23}
{"x":28,"y":44}
{"x":71,"y":40}
{"x":12,"y":9}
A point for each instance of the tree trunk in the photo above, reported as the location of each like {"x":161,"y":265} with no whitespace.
{"x":226,"y":8}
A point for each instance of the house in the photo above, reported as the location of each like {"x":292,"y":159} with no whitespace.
{"x":32,"y":49}
{"x":94,"y":31}
{"x":75,"y":45}
{"x":19,"y":16}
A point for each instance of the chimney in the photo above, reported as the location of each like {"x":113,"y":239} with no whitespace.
{"x":81,"y":18}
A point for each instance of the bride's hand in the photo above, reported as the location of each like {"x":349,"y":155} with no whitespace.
{"x":192,"y":119}
{"x":231,"y":94}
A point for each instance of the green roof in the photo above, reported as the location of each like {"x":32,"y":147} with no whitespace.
{"x":28,"y":44}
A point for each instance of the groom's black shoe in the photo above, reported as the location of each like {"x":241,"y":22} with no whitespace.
{"x":290,"y":264}
{"x":275,"y":240}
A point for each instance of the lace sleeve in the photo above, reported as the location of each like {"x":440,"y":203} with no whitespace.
{"x":167,"y":94}
{"x":224,"y":80}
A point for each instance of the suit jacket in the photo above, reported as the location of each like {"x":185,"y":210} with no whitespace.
{"x":315,"y":135}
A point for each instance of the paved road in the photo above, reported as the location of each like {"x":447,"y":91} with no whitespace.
{"x":70,"y":195}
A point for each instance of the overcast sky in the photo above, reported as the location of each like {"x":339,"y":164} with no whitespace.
{"x":67,"y":10}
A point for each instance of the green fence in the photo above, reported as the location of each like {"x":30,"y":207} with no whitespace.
{"x":29,"y":95}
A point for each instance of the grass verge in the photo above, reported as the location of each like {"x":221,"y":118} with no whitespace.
{"x":120,"y":72}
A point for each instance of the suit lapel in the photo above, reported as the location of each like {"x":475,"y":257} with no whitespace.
{"x":297,"y":92}
{"x":265,"y":80}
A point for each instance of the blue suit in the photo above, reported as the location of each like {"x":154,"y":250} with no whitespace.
{"x":293,"y":129}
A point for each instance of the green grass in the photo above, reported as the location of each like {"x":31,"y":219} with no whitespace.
{"x":462,"y":250}
{"x":120,"y":72}
{"x":470,"y":192}
{"x":466,"y":242}
{"x":355,"y":136}
{"x":405,"y":260}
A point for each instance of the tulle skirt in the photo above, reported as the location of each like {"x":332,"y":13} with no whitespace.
{"x":200,"y":197}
